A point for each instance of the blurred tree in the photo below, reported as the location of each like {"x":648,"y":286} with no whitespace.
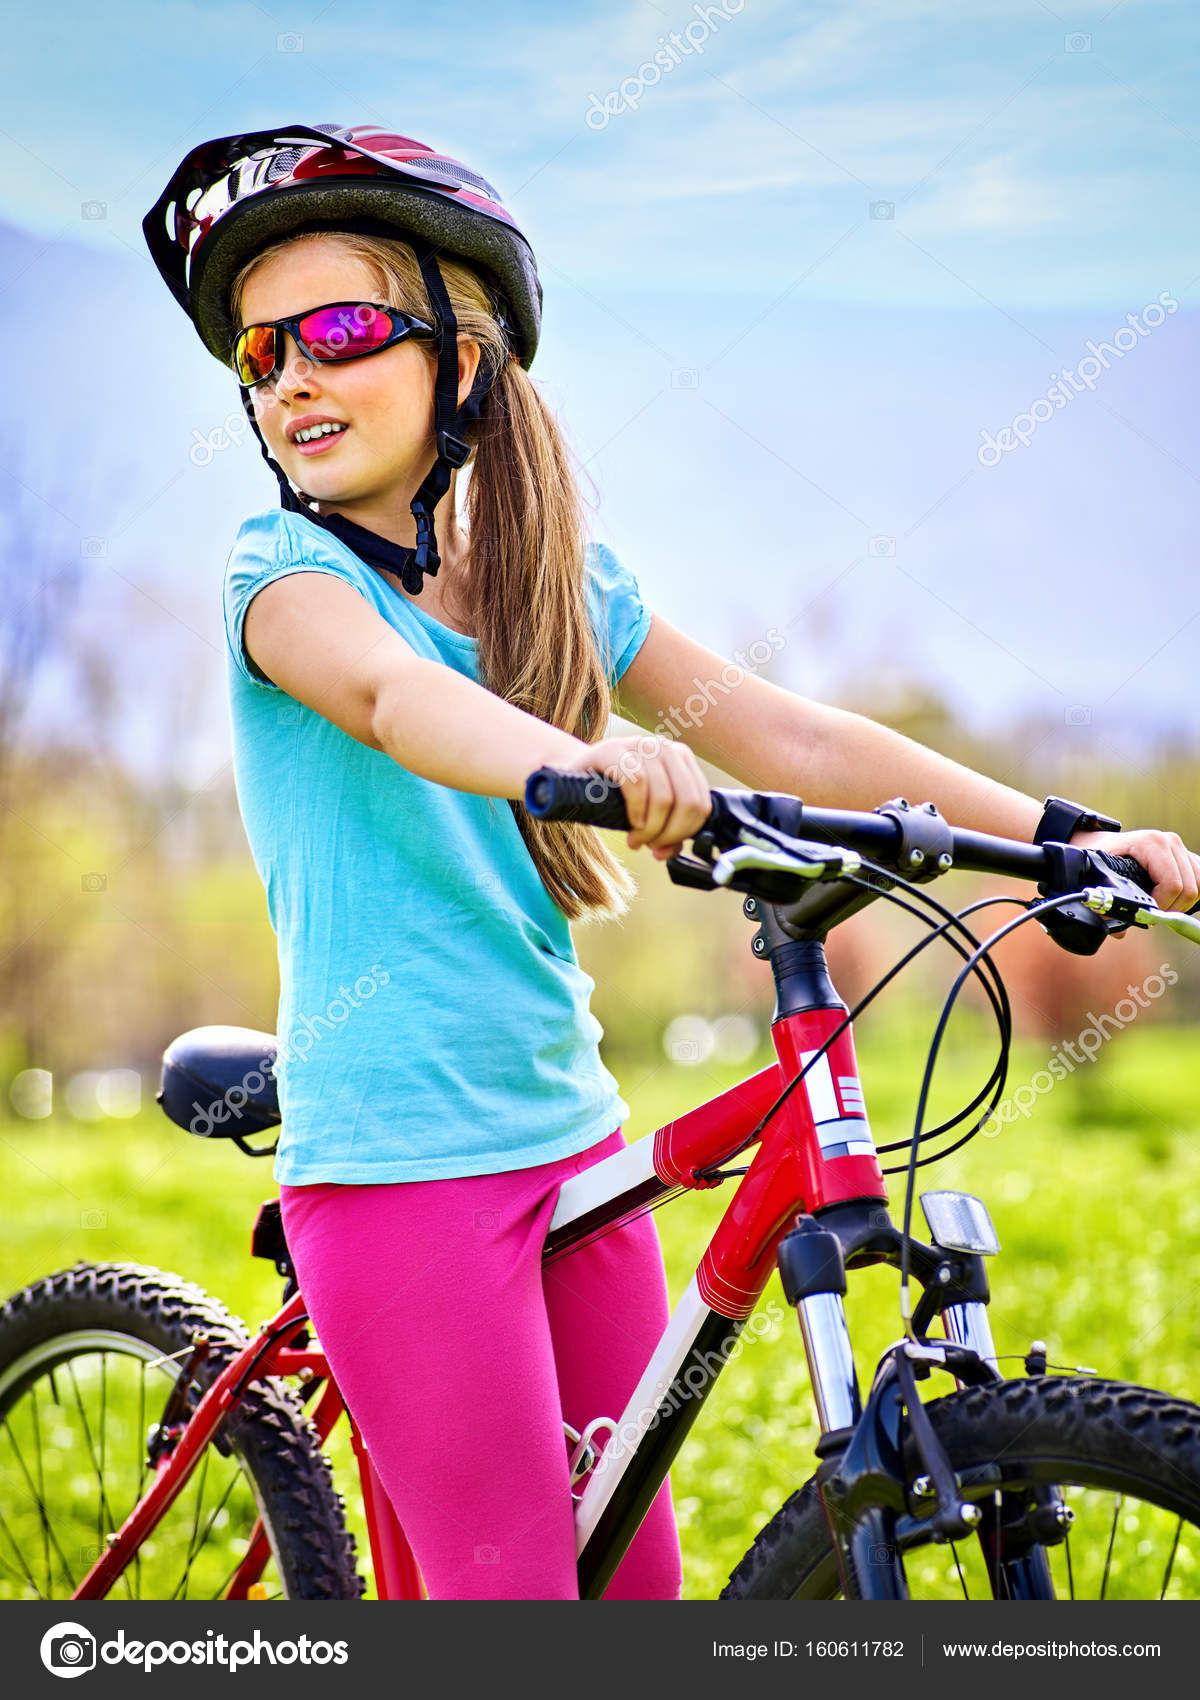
{"x":40,"y":573}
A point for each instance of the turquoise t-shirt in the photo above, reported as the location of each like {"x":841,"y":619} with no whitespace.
{"x":433,"y":1016}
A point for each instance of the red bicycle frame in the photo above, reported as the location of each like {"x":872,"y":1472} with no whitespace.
{"x":815,"y":1151}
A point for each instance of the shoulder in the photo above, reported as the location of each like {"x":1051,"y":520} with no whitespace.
{"x":604,"y":570}
{"x":274,"y":545}
{"x":278,"y":538}
{"x":619,"y":616}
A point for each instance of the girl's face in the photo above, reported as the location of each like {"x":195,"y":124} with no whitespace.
{"x":385,"y":400}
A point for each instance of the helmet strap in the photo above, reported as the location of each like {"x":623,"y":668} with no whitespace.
{"x":449,"y":419}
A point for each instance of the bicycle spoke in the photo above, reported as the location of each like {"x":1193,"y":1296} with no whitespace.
{"x":1112,"y":1535}
{"x":143,"y":1465}
{"x":193,"y":1545}
{"x":37,"y":1441}
{"x":223,"y":1586}
{"x":105,"y":1507}
{"x":7,"y":1566}
{"x":100,"y":1530}
{"x":41,"y":1509}
{"x":217,"y":1510}
{"x":997,"y":1505}
{"x":962,"y":1579}
{"x":1070,"y":1571}
{"x":1171,"y":1559}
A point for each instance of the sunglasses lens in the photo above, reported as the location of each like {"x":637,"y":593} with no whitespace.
{"x":254,"y":354}
{"x":343,"y":333}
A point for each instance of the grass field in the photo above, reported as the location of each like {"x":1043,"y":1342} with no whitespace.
{"x":1096,"y":1200}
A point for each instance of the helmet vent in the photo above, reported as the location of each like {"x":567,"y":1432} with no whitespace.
{"x":283,"y":163}
{"x":457,"y":174}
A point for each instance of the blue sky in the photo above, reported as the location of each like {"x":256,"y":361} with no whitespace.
{"x":788,"y":284}
{"x":1044,"y":155}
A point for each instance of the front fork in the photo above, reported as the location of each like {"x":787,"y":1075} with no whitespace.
{"x":863,"y":1479}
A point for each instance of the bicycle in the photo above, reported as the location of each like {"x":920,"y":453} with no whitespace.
{"x":1007,"y":1473}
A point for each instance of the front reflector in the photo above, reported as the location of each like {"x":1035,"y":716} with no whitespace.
{"x":959,"y":1222}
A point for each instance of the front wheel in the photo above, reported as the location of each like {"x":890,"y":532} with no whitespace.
{"x":88,"y":1358}
{"x":1127,"y":1462}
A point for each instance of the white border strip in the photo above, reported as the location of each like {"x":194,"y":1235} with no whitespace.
{"x":604,"y":1181}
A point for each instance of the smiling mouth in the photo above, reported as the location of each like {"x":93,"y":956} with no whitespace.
{"x":318,"y":438}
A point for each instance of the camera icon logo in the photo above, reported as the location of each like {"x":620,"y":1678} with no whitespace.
{"x":68,"y":1649}
{"x":1078,"y":42}
{"x":883,"y":209}
{"x":1079,"y":714}
{"x":882,"y":547}
{"x":685,"y":378}
{"x":93,"y":882}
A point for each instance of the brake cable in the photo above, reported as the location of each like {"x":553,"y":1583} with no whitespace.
{"x":999,"y":1006}
{"x":1029,"y":914}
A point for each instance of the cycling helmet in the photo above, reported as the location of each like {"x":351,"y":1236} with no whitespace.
{"x":230,"y":198}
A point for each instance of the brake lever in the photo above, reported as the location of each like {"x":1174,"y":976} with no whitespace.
{"x":1082,"y":925}
{"x":802,"y":860}
{"x":1103,"y":901}
{"x":690,"y":871}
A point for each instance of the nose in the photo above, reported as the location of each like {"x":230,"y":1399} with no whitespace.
{"x":295,"y":376}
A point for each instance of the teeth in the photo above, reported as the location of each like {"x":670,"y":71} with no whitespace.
{"x":315,"y":431}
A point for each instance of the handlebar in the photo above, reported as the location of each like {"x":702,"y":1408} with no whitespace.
{"x":914,"y":840}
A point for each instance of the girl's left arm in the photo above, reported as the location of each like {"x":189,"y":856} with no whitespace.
{"x":771,"y":739}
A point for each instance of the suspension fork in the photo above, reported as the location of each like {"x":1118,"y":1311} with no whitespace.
{"x":813,"y":1272}
{"x":1012,"y":1547}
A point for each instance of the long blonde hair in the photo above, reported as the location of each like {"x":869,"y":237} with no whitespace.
{"x":525,"y":595}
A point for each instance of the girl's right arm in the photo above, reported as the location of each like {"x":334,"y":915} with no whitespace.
{"x":319,"y":639}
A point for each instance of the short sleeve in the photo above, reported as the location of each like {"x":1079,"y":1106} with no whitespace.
{"x":619,"y":617}
{"x":264,"y":551}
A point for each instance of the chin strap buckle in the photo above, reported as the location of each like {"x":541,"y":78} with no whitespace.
{"x":452,"y":448}
{"x":425,"y":556}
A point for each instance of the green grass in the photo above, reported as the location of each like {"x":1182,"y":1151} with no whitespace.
{"x":1096,"y":1200}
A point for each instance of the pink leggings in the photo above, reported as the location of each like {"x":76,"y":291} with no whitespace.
{"x":459,"y":1359}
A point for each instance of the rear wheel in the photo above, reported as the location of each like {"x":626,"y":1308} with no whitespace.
{"x":88,"y":1358}
{"x":1127,"y":1461}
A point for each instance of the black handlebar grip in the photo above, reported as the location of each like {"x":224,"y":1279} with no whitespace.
{"x":1127,"y":867}
{"x":588,"y":798}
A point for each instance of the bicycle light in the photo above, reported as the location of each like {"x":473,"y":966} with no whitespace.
{"x":959,"y":1222}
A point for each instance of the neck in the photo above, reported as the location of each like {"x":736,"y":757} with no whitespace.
{"x":443,"y":595}
{"x":393,"y":520}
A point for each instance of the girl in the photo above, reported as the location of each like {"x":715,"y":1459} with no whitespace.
{"x":394,"y":680}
